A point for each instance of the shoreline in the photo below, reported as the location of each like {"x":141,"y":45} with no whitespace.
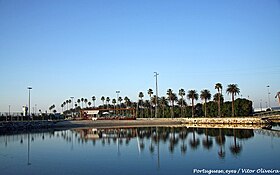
{"x":237,"y":122}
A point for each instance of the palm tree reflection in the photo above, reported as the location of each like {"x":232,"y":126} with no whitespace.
{"x":194,"y":142}
{"x":220,"y":140}
{"x":236,"y":147}
{"x":183,"y":135}
{"x":207,"y":143}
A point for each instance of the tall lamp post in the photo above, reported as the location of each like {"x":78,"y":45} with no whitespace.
{"x":156,"y":75}
{"x":29,"y":88}
{"x":268,"y":95}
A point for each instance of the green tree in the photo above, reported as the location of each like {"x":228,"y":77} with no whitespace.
{"x":86,"y":100}
{"x":219,"y":87}
{"x":103,"y":99}
{"x":150,"y":92}
{"x":67,"y":102}
{"x":233,"y":90}
{"x":107,"y":101}
{"x":182,"y":93}
{"x":82,"y":100}
{"x":174,"y":99}
{"x":140,"y":103}
{"x":70,"y":101}
{"x":192,"y":94}
{"x":62,"y":107}
{"x":89,"y":103}
{"x":79,"y":101}
{"x":205,"y":95}
{"x":120,"y":100}
{"x":126,"y":100}
{"x":93,"y":100}
{"x":163,"y":103}
{"x":169,"y":94}
{"x":114,"y":101}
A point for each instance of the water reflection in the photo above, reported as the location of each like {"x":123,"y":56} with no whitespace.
{"x":147,"y":138}
{"x":159,"y":143}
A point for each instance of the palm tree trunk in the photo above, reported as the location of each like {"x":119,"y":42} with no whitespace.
{"x":205,"y":108}
{"x":219,"y":105}
{"x":232,"y":106}
{"x":192,"y":108}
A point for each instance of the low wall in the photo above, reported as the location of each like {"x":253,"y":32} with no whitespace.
{"x":232,"y":120}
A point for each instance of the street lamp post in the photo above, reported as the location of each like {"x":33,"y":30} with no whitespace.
{"x":156,"y":75}
{"x":268,"y":95}
{"x":29,"y":88}
{"x":261,"y":104}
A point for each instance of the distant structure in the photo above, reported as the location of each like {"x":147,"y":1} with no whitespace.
{"x":24,"y":110}
{"x":278,"y":95}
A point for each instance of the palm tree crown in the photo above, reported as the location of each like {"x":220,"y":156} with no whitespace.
{"x":192,"y":94}
{"x":205,"y":95}
{"x":219,"y":87}
{"x":233,"y":90}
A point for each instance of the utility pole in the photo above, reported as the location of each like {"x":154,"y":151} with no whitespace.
{"x":29,"y":88}
{"x":268,"y":95}
{"x":156,"y":75}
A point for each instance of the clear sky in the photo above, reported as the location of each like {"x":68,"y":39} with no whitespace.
{"x":64,"y":48}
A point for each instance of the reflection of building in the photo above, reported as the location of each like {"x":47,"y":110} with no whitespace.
{"x":94,"y":133}
{"x":110,"y":113}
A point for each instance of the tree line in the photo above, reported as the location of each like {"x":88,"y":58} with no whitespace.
{"x":173,"y":105}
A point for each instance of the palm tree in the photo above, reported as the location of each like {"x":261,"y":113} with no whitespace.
{"x":64,"y":103}
{"x":120,"y":100}
{"x":61,"y":107}
{"x":70,"y":101}
{"x":150,"y":92}
{"x":114,"y":101}
{"x":93,"y":100}
{"x":233,"y":90}
{"x":103,"y":99}
{"x":141,"y":95}
{"x":205,"y":95}
{"x":173,"y":98}
{"x":126,"y":100}
{"x":67,"y":102}
{"x":86,"y":100}
{"x":146,"y":105}
{"x":107,"y":101}
{"x":192,"y":94}
{"x":219,"y":87}
{"x":163,"y":103}
{"x":82,"y":99}
{"x":169,"y":94}
{"x":79,"y":101}
{"x":89,"y":103}
{"x":182,"y":93}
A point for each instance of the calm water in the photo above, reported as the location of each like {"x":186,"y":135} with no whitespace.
{"x":138,"y":151}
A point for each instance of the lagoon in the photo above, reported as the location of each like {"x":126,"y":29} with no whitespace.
{"x":143,"y":150}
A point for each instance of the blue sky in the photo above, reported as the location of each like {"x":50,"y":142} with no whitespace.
{"x":94,"y":47}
